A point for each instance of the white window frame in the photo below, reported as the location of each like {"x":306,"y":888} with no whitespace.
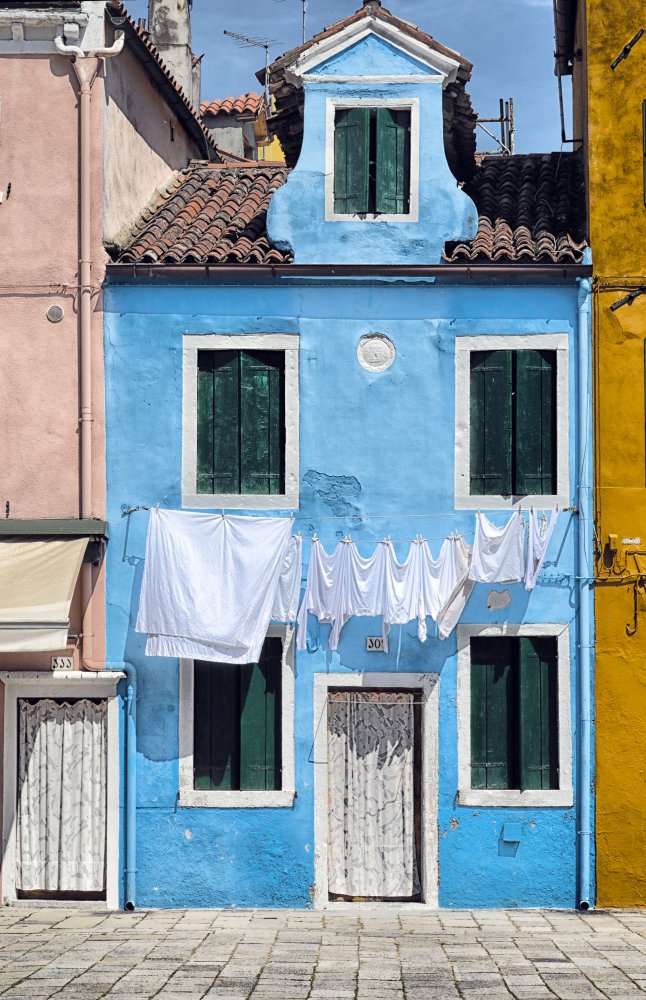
{"x":464,"y":346}
{"x":555,"y":797}
{"x":334,"y":104}
{"x":62,"y":684}
{"x":285,"y":342}
{"x":428,"y":684}
{"x":226,"y":799}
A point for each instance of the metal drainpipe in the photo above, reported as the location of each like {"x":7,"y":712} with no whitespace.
{"x":585,"y":593}
{"x":86,"y":67}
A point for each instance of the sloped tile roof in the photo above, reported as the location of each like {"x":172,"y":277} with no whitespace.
{"x":209,"y":214}
{"x":531,"y":209}
{"x":245,"y":104}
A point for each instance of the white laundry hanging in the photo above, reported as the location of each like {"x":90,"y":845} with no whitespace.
{"x":537,"y":542}
{"x":210,"y":583}
{"x":498,"y":552}
{"x":345,"y":584}
{"x":457,"y":571}
{"x":288,"y":590}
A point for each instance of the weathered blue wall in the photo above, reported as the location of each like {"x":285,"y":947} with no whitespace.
{"x":371,"y":444}
{"x":296,"y":216}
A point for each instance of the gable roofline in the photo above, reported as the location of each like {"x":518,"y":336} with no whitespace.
{"x":376,"y":15}
{"x":140,"y":43}
{"x":332,"y":45}
{"x":286,"y":86}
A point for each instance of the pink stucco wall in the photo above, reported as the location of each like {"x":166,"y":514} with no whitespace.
{"x":39,"y":360}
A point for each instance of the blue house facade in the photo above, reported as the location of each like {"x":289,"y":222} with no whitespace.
{"x":421,"y":326}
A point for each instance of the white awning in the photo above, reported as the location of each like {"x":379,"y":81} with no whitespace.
{"x":37,"y":581}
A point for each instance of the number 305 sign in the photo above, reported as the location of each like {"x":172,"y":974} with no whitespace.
{"x":375,"y":644}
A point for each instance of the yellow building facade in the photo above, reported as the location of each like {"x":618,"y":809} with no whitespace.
{"x":609,"y":125}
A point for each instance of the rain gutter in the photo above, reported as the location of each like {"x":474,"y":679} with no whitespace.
{"x":584,"y":599}
{"x":225,"y":272}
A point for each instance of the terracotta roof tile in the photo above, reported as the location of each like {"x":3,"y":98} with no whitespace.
{"x":531,"y":209}
{"x":209,"y":214}
{"x":245,"y":104}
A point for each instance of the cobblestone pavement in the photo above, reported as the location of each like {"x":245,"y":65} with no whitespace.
{"x":380,"y":954}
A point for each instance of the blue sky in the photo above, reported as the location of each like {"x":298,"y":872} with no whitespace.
{"x":510,"y":43}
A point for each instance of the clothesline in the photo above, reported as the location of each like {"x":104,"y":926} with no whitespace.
{"x":363,"y":517}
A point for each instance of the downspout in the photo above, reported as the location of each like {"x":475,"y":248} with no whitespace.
{"x":86,"y":67}
{"x":585,"y":596}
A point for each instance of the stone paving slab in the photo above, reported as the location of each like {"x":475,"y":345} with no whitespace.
{"x":364,"y":953}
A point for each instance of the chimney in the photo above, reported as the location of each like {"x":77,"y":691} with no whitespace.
{"x":169,"y":23}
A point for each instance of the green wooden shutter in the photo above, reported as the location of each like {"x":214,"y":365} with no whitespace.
{"x":535,"y":420}
{"x":351,"y":160}
{"x":492,"y":723}
{"x":218,"y":431}
{"x":260,"y":715}
{"x":216,"y":726}
{"x":490,"y":470}
{"x":262,"y":431}
{"x":392,"y":175}
{"x":538,"y":713}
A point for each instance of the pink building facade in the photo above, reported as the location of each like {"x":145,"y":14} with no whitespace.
{"x":91,"y":125}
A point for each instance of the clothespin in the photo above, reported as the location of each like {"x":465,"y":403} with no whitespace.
{"x":291,"y":516}
{"x":315,"y":537}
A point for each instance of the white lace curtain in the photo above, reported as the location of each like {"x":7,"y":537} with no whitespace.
{"x":371,"y":843}
{"x":61,"y":823}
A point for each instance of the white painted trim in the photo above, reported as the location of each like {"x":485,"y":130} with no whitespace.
{"x":464,"y":345}
{"x":335,"y":44}
{"x":429,"y":686}
{"x":333,"y":104}
{"x":323,"y":78}
{"x":192,"y":798}
{"x":558,"y":797}
{"x":287,"y":342}
{"x":63,"y":684}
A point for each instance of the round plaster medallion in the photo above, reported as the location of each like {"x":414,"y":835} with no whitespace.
{"x":376,"y":352}
{"x":55,"y":314}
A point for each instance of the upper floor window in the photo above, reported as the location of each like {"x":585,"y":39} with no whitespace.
{"x":372,"y":161}
{"x":513,"y":423}
{"x":511,"y":420}
{"x":240,"y":421}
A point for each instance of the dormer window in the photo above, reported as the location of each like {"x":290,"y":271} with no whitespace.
{"x":372,"y":160}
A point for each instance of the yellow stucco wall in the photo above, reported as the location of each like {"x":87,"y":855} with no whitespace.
{"x":618,"y":239}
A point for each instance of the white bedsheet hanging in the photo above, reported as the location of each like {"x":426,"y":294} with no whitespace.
{"x":537,"y":542}
{"x":498,"y":552}
{"x":210,"y":583}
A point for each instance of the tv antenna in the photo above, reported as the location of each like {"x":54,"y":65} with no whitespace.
{"x":304,"y":21}
{"x":506,"y":142}
{"x":258,"y":43}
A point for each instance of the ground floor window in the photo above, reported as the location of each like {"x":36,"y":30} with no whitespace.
{"x":514,"y":715}
{"x":236,"y":728}
{"x":514,"y":712}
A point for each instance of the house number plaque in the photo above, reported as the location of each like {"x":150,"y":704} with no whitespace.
{"x":375,"y":644}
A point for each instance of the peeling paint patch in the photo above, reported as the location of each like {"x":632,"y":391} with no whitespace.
{"x":454,"y":823}
{"x":188,"y":834}
{"x":335,"y":491}
{"x":498,"y":599}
